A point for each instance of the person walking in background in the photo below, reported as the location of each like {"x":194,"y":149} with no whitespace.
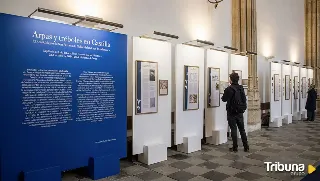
{"x":236,"y":105}
{"x":311,"y":104}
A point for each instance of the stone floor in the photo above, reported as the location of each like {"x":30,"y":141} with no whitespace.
{"x":295,"y":143}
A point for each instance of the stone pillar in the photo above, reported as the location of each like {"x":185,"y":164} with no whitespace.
{"x":312,"y":47}
{"x":244,"y":37}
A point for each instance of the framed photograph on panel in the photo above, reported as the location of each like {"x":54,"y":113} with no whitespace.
{"x":277,"y":88}
{"x":146,"y":87}
{"x":296,"y":87}
{"x":191,"y":88}
{"x":213,"y":87}
{"x":310,"y":81}
{"x":239,"y":72}
{"x":163,"y":90}
{"x":287,"y":87}
{"x":223,"y":86}
{"x":304,"y":87}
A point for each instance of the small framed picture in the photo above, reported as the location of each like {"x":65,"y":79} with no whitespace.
{"x":163,"y":84}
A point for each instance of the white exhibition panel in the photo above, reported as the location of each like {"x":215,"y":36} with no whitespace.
{"x":303,"y":100}
{"x":216,"y":117}
{"x":295,"y":101}
{"x":189,"y":123}
{"x":275,"y":106}
{"x":286,"y":99}
{"x":310,"y":76}
{"x":238,"y":62}
{"x":152,"y":130}
{"x":264,"y":79}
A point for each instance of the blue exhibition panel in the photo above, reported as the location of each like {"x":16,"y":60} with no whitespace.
{"x":63,"y":99}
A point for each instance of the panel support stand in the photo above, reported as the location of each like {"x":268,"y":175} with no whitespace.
{"x":154,"y":153}
{"x":102,"y":167}
{"x":287,"y":119}
{"x":190,"y":144}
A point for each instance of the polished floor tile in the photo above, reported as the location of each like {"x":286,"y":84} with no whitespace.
{"x":295,"y":143}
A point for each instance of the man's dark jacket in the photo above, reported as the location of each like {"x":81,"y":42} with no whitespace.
{"x":229,"y":93}
{"x":311,"y":104}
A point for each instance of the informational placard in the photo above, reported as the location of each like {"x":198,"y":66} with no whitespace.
{"x":191,"y":88}
{"x":146,"y":87}
{"x":239,"y":72}
{"x":213,"y":88}
{"x":163,"y":90}
{"x":65,"y":93}
{"x":304,"y":87}
{"x":296,"y":87}
{"x":277,"y":88}
{"x":287,"y":87}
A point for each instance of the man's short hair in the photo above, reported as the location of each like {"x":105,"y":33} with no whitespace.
{"x":234,"y":77}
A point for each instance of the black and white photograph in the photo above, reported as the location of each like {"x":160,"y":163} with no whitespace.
{"x":152,"y":75}
{"x":152,"y":102}
{"x":193,"y":98}
{"x":163,"y":84}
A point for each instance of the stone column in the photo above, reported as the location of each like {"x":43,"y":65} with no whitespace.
{"x":312,"y":44}
{"x":244,"y":37}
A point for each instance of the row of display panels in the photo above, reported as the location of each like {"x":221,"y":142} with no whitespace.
{"x":288,"y":87}
{"x":191,"y":82}
{"x":149,"y":87}
{"x":276,"y":84}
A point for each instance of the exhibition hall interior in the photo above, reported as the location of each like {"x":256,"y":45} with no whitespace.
{"x":160,"y":90}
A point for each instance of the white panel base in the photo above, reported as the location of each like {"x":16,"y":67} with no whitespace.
{"x":304,"y":114}
{"x":287,"y":119}
{"x":153,"y":154}
{"x":277,"y":123}
{"x":190,"y":144}
{"x":218,"y":137}
{"x":296,"y":116}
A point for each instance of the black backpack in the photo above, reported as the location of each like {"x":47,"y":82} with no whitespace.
{"x":238,"y":101}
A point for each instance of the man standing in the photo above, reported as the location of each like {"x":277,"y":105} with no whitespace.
{"x":311,"y":104}
{"x":236,"y":105}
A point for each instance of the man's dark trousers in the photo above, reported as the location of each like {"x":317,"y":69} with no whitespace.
{"x":234,"y":122}
{"x":310,"y":115}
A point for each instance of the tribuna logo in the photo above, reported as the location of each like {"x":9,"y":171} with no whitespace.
{"x":294,"y":169}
